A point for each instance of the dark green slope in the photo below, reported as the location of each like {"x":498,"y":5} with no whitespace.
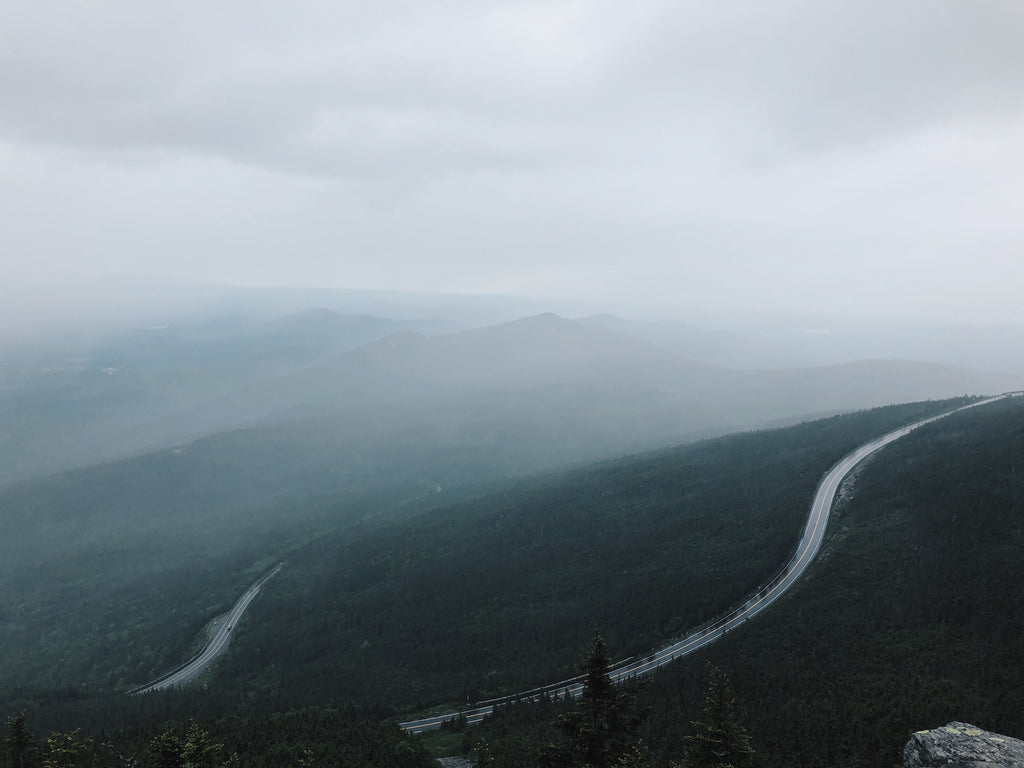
{"x":910,"y":618}
{"x":498,"y":594}
{"x":907,"y":621}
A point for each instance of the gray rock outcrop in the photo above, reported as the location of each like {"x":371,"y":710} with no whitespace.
{"x":960,"y":745}
{"x":455,"y":762}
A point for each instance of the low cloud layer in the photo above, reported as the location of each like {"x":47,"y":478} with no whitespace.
{"x":793,"y":154}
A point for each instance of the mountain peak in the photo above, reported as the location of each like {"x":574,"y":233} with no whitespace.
{"x":544,"y":318}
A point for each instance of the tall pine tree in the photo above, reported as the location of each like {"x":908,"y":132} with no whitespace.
{"x":602,"y":729}
{"x":19,"y":741}
{"x":718,"y":741}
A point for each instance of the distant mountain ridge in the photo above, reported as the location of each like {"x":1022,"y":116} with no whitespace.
{"x":163,"y":387}
{"x":550,"y":351}
{"x":781,"y":342}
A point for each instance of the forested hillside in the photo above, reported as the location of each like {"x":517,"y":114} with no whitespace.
{"x":907,"y":620}
{"x":497,"y":594}
{"x":901,"y":624}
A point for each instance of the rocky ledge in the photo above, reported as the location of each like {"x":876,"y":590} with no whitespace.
{"x":960,"y":745}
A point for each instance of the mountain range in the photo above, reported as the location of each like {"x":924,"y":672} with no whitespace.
{"x":149,"y":476}
{"x":579,"y":386}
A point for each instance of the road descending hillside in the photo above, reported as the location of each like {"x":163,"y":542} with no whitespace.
{"x":808,"y":547}
{"x":218,"y":643}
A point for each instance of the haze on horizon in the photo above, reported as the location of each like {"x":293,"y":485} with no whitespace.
{"x":861,"y":158}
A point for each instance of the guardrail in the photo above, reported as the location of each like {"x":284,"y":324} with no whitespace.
{"x":704,"y":633}
{"x":255,"y":586}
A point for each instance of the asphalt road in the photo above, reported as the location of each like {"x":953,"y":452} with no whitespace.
{"x":810,"y":543}
{"x":192,"y":669}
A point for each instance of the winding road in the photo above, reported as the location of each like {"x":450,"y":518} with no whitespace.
{"x":198,"y":664}
{"x":810,"y":543}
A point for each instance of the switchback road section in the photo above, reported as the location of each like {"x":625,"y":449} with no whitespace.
{"x":810,"y":543}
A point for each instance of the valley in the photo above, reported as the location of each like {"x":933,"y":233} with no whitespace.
{"x":369,"y":369}
{"x":900,"y":622}
{"x":716,"y":627}
{"x":458,"y":512}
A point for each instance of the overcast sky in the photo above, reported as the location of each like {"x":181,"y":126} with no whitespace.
{"x":811,"y":154}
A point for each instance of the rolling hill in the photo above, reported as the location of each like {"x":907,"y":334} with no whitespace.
{"x":568,"y":381}
{"x":905,"y":621}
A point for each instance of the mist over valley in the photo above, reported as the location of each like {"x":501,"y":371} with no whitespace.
{"x":375,"y":377}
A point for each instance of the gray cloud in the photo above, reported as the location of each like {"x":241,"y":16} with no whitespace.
{"x":845,"y":155}
{"x":836,"y":72}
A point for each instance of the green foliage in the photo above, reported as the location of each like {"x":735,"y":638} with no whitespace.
{"x":278,"y":740}
{"x":602,"y":730}
{"x":491,"y":596}
{"x":718,"y":741}
{"x":165,"y":750}
{"x":65,"y":750}
{"x":198,"y":751}
{"x":904,"y":622}
{"x":19,"y":742}
{"x":193,"y":749}
{"x":901,"y":624}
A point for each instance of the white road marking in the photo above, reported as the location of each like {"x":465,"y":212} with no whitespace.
{"x":810,"y":543}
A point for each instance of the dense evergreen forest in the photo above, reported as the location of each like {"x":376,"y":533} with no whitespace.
{"x":909,"y":618}
{"x":308,"y":737}
{"x":498,"y":594}
{"x":900,"y":625}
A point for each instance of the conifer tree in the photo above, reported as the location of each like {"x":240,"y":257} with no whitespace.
{"x":165,"y":749}
{"x":603,"y":726}
{"x":63,"y":750}
{"x":194,"y":750}
{"x":198,"y":751}
{"x":718,"y":741}
{"x":19,"y":741}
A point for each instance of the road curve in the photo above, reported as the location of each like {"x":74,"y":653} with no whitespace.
{"x":193,"y":668}
{"x":810,"y":543}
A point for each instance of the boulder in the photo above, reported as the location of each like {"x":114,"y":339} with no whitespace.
{"x":960,"y":745}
